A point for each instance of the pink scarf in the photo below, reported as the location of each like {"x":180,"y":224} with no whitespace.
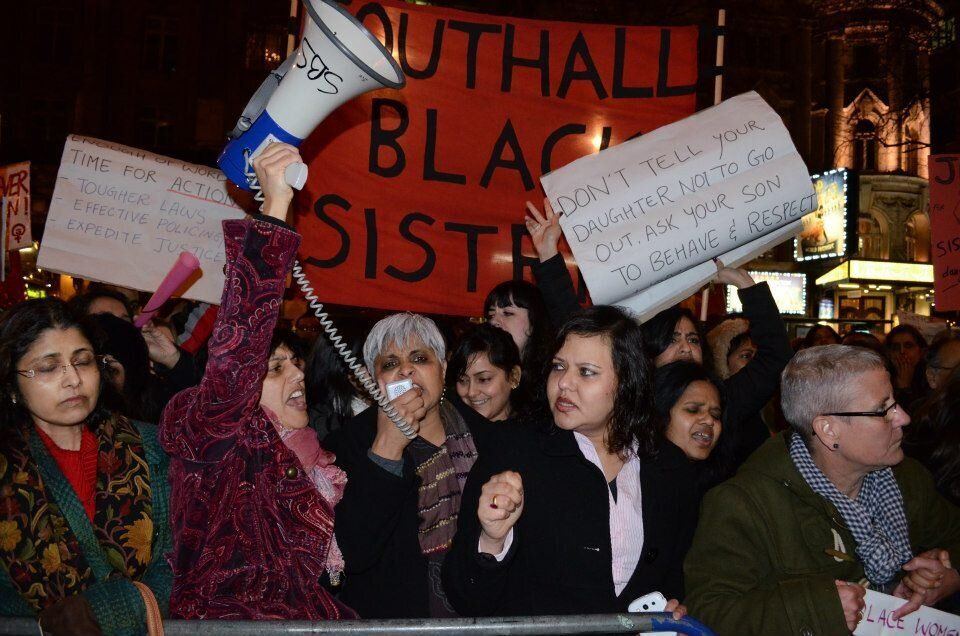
{"x":328,"y":479}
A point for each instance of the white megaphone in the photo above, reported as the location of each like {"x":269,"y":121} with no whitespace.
{"x":337,"y":60}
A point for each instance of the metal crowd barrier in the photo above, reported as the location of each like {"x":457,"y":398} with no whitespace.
{"x":504,"y":626}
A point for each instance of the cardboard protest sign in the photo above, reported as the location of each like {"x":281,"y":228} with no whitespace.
{"x":122,"y":215}
{"x":416,"y":197}
{"x":877,"y":619}
{"x":15,"y":188}
{"x":945,"y":229}
{"x":726,"y":182}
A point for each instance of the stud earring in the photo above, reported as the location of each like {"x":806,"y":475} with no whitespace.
{"x":836,"y":446}
{"x":13,"y":398}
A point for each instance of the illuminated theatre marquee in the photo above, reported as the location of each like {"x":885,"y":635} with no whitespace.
{"x":860,"y":270}
{"x":824,"y":233}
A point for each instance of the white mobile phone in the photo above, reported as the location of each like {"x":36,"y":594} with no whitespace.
{"x":652,"y":602}
{"x":398,"y":388}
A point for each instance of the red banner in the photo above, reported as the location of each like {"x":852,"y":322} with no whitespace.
{"x":945,"y":229}
{"x":416,"y":197}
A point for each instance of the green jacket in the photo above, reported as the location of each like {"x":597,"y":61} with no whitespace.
{"x":758,"y":563}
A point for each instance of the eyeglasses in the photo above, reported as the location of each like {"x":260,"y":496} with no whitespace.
{"x":48,"y":371}
{"x":881,"y":413}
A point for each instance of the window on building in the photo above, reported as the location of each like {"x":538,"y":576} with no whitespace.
{"x":266,"y":47}
{"x":870,"y":237}
{"x":161,"y":44}
{"x":154,"y":129}
{"x":865,"y":145}
{"x":916,"y":238}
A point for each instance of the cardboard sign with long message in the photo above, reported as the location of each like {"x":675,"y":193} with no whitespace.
{"x":415,"y":199}
{"x":121,"y":215}
{"x":15,"y":188}
{"x":945,"y":229}
{"x":878,"y":619}
{"x":725,"y":183}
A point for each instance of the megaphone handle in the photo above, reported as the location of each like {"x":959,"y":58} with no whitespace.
{"x":296,"y":175}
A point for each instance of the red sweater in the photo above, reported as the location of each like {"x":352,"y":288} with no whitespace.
{"x":79,"y":466}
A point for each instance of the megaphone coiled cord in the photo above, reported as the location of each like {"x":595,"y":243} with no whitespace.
{"x":336,"y":339}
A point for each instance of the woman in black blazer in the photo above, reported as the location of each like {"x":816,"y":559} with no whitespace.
{"x":588,"y":514}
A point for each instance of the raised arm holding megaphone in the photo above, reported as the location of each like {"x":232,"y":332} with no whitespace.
{"x":337,"y":60}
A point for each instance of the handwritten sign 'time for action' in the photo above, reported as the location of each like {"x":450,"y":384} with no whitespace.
{"x":121,"y":215}
{"x":651,"y":208}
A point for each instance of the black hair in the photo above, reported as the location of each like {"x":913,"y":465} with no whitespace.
{"x":497,"y":344}
{"x":737,"y":341}
{"x":918,"y":383}
{"x":808,"y":339}
{"x":910,"y":330}
{"x":329,"y":390}
{"x":670,"y":382}
{"x":283,"y":336}
{"x":536,"y":353}
{"x":139,"y":397}
{"x":20,"y":327}
{"x":80,"y":304}
{"x":630,"y":421}
{"x":658,"y":332}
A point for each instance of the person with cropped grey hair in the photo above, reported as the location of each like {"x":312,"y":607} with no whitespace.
{"x":818,"y":381}
{"x":399,"y":511}
{"x":789,"y":544}
{"x":399,"y":328}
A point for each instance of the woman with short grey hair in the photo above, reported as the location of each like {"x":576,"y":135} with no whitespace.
{"x":820,"y":511}
{"x":398,"y":514}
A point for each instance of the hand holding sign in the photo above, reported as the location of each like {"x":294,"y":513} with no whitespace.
{"x":544,"y":229}
{"x":726,"y":181}
{"x":851,"y":600}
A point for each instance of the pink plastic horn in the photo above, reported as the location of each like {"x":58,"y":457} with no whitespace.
{"x":185,"y":265}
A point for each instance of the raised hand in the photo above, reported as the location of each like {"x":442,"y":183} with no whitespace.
{"x":544,"y":229}
{"x":735,"y":276}
{"x":160,"y":348}
{"x":269,"y":166}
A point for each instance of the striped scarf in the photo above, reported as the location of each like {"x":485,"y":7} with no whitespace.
{"x":876,"y":517}
{"x":442,"y":477}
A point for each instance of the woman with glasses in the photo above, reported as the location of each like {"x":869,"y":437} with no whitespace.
{"x":253,"y":490}
{"x":824,"y":510}
{"x":83,"y":490}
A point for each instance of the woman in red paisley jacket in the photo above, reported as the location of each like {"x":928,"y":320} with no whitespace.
{"x":253,"y":490}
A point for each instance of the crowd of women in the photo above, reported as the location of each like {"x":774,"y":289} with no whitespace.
{"x":564,"y":460}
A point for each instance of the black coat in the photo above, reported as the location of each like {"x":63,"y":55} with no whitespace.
{"x":746,"y":392}
{"x":560,"y":561}
{"x":376,"y":524}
